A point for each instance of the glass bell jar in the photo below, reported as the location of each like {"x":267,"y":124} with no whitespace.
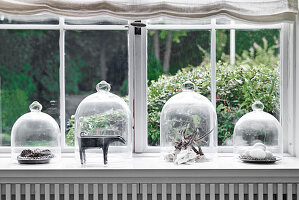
{"x":102,"y":122}
{"x":187,"y":125}
{"x":257,"y":136}
{"x":35,"y":137}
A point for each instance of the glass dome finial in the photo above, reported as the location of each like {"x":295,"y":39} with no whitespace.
{"x":103,"y":86}
{"x":258,"y":106}
{"x":188,"y":86}
{"x":35,"y":107}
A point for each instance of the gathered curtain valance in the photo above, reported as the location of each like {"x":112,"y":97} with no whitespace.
{"x":250,"y":10}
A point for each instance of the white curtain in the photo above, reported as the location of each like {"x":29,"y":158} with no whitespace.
{"x":251,"y":10}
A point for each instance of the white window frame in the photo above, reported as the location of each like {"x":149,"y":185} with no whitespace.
{"x":137,"y":74}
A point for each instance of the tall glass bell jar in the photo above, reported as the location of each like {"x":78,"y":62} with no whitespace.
{"x":35,"y":137}
{"x":102,"y":122}
{"x":257,"y":136}
{"x":187,"y":127}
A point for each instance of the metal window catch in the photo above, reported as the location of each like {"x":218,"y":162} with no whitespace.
{"x":138,"y":25}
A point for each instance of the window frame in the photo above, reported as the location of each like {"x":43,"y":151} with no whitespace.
{"x":137,"y":74}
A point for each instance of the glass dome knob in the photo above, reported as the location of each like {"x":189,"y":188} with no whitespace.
{"x":103,"y":86}
{"x":258,"y":106}
{"x":188,"y":86}
{"x":35,"y":107}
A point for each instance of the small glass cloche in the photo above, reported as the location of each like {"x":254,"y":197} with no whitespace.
{"x":102,"y":122}
{"x":35,"y":137}
{"x":187,"y":125}
{"x":257,"y":136}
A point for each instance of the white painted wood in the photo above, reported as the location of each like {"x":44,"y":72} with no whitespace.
{"x":124,"y":191}
{"x":66,"y":192}
{"x":297,"y":191}
{"x":114,"y":191}
{"x":193,"y":192}
{"x":164,"y":192}
{"x":85,"y":192}
{"x":76,"y":191}
{"x":279,"y":192}
{"x":260,"y":191}
{"x":154,"y":191}
{"x":1,"y":192}
{"x":221,"y":191}
{"x":173,"y":191}
{"x":232,"y":46}
{"x":105,"y":192}
{"x":95,"y":27}
{"x":202,"y":191}
{"x":144,"y":191}
{"x":250,"y":192}
{"x":56,"y":191}
{"x":212,"y":192}
{"x":47,"y":191}
{"x":183,"y":191}
{"x":231,"y":189}
{"x":18,"y":191}
{"x":289,"y":191}
{"x":134,"y":191}
{"x":209,"y":26}
{"x":37,"y":192}
{"x":241,"y":191}
{"x":95,"y":192}
{"x":270,"y":192}
{"x":8,"y":191}
{"x":27,"y":192}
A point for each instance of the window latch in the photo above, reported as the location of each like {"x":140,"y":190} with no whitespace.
{"x":138,"y":25}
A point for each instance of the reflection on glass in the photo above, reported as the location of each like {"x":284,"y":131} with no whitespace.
{"x":29,"y":19}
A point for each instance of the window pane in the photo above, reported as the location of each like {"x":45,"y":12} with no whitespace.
{"x":173,"y":58}
{"x":255,"y":76}
{"x":92,"y":56}
{"x":102,"y":20}
{"x":29,"y":71}
{"x":29,"y":19}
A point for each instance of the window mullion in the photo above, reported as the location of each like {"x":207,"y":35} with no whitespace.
{"x":232,"y":44}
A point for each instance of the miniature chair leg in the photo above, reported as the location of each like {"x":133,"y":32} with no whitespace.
{"x":82,"y":156}
{"x":105,"y":153}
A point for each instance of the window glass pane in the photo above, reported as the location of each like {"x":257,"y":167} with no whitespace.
{"x":173,"y":58}
{"x":102,"y":20}
{"x":29,"y":19}
{"x":29,"y":71}
{"x":92,"y":56}
{"x":177,"y":21}
{"x":255,"y":76}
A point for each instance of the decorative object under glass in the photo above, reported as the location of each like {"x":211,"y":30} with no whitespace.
{"x":35,"y":137}
{"x":188,"y":121}
{"x":102,"y":122}
{"x":257,"y":136}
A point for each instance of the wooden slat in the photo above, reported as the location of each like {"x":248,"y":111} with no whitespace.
{"x":124,"y":191}
{"x":0,"y":192}
{"x":76,"y":191}
{"x":134,"y":191}
{"x":154,"y":191}
{"x":193,"y":192}
{"x":250,"y":192}
{"x":114,"y":191}
{"x":27,"y":191}
{"x":183,"y":191}
{"x":241,"y":191}
{"x":297,"y":191}
{"x":56,"y":191}
{"x":279,"y":192}
{"x":221,"y":191}
{"x":66,"y":192}
{"x":212,"y":192}
{"x":95,"y":192}
{"x":144,"y":191}
{"x":260,"y":192}
{"x":231,"y":191}
{"x":85,"y":191}
{"x":47,"y":191}
{"x":202,"y":192}
{"x":289,"y":192}
{"x":173,"y":191}
{"x":270,"y":192}
{"x":164,"y":192}
{"x":8,"y":191}
{"x":105,"y":192}
{"x":18,"y":192}
{"x":37,"y":192}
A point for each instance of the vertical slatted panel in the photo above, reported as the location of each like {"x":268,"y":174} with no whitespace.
{"x":37,"y":191}
{"x":18,"y":192}
{"x":241,"y":191}
{"x":270,"y":192}
{"x":85,"y":191}
{"x":231,"y":191}
{"x":250,"y":192}
{"x":193,"y":192}
{"x":183,"y":192}
{"x":212,"y":191}
{"x":144,"y":191}
{"x":114,"y":191}
{"x":164,"y":192}
{"x":221,"y":191}
{"x":27,"y":191}
{"x":279,"y":192}
{"x":76,"y":191}
{"x":289,"y":192}
{"x":105,"y":192}
{"x":202,"y":192}
{"x":8,"y":191}
{"x":124,"y":192}
{"x":134,"y":191}
{"x":66,"y":192}
{"x":95,"y":192}
{"x":154,"y":191}
{"x":260,"y":191}
{"x":173,"y":191}
{"x":47,"y":191}
{"x":56,"y":191}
